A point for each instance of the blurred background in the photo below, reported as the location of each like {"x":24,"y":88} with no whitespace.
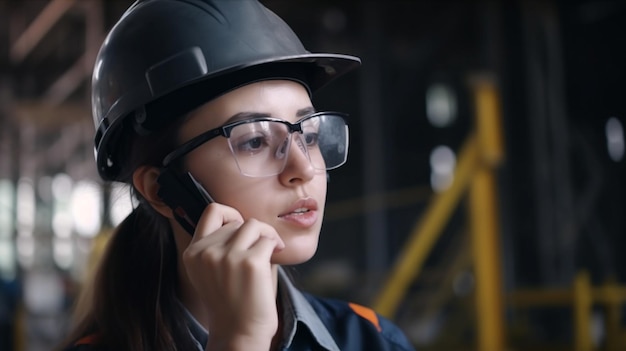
{"x":482,"y":206}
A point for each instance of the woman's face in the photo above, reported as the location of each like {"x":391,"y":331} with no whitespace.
{"x":291,"y":201}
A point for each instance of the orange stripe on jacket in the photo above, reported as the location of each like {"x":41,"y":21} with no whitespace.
{"x":366,"y":313}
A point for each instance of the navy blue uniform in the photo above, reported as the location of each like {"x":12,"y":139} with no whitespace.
{"x":354,"y":327}
{"x":311,"y":323}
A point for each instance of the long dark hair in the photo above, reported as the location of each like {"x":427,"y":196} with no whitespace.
{"x":132,"y":303}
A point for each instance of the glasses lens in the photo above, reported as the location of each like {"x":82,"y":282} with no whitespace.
{"x":261,"y":148}
{"x":331,"y":140}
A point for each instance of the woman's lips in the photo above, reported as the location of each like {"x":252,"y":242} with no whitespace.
{"x":302,"y":213}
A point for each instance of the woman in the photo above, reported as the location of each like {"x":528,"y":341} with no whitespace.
{"x":204,"y":109}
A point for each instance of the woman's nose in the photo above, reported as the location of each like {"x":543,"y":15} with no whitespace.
{"x":298,"y":165}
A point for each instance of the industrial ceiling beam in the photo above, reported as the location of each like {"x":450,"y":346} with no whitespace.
{"x":35,"y":32}
{"x":50,"y":117}
{"x":71,"y":80}
{"x":67,"y":83}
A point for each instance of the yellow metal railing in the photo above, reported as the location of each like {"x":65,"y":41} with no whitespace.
{"x":582,"y":297}
{"x":426,"y":232}
{"x":475,"y":178}
{"x":483,"y":218}
{"x":478,"y":159}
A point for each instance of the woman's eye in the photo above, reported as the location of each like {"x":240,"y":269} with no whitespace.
{"x":311,"y":139}
{"x":252,"y":144}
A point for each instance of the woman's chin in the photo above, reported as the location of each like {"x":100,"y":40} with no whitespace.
{"x":295,"y":252}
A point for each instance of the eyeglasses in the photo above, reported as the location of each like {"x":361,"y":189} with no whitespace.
{"x":261,"y":146}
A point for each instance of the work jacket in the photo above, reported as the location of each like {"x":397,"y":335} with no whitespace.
{"x":311,"y":323}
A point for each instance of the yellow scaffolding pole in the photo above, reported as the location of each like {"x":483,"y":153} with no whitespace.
{"x":425,"y":234}
{"x":485,"y":245}
{"x":581,"y":298}
{"x":479,"y":156}
{"x":583,"y":301}
{"x":483,"y":214}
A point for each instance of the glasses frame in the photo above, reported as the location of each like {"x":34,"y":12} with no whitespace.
{"x":226,"y":129}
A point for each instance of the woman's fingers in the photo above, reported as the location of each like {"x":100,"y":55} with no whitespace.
{"x":250,"y":232}
{"x":214,"y":217}
{"x":229,"y":264}
{"x":264,"y":247}
{"x":223,"y":226}
{"x":218,"y":238}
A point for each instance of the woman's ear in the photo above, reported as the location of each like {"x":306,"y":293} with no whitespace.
{"x":145,"y":181}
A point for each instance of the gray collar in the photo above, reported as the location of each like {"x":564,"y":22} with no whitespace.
{"x":295,"y":309}
{"x":199,"y":335}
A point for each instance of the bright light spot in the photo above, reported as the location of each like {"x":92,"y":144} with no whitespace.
{"x":62,"y":224}
{"x":6,"y":209}
{"x":442,"y":159}
{"x":615,"y":139}
{"x":43,"y":293}
{"x":85,"y":206}
{"x":441,"y":106}
{"x":440,"y":182}
{"x":120,"y":202}
{"x":442,"y":164}
{"x":25,"y":207}
{"x":26,"y":250}
{"x":62,"y":252}
{"x":61,"y":186}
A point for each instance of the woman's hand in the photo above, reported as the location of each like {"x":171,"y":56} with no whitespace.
{"x":228,"y":263}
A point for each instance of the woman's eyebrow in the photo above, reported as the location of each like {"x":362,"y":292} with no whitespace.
{"x":240,"y":116}
{"x":246,"y":115}
{"x":305,"y":111}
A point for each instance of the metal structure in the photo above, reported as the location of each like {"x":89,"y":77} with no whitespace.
{"x":475,"y":176}
{"x":48,"y":50}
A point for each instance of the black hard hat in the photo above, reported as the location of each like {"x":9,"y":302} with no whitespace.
{"x":166,"y":57}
